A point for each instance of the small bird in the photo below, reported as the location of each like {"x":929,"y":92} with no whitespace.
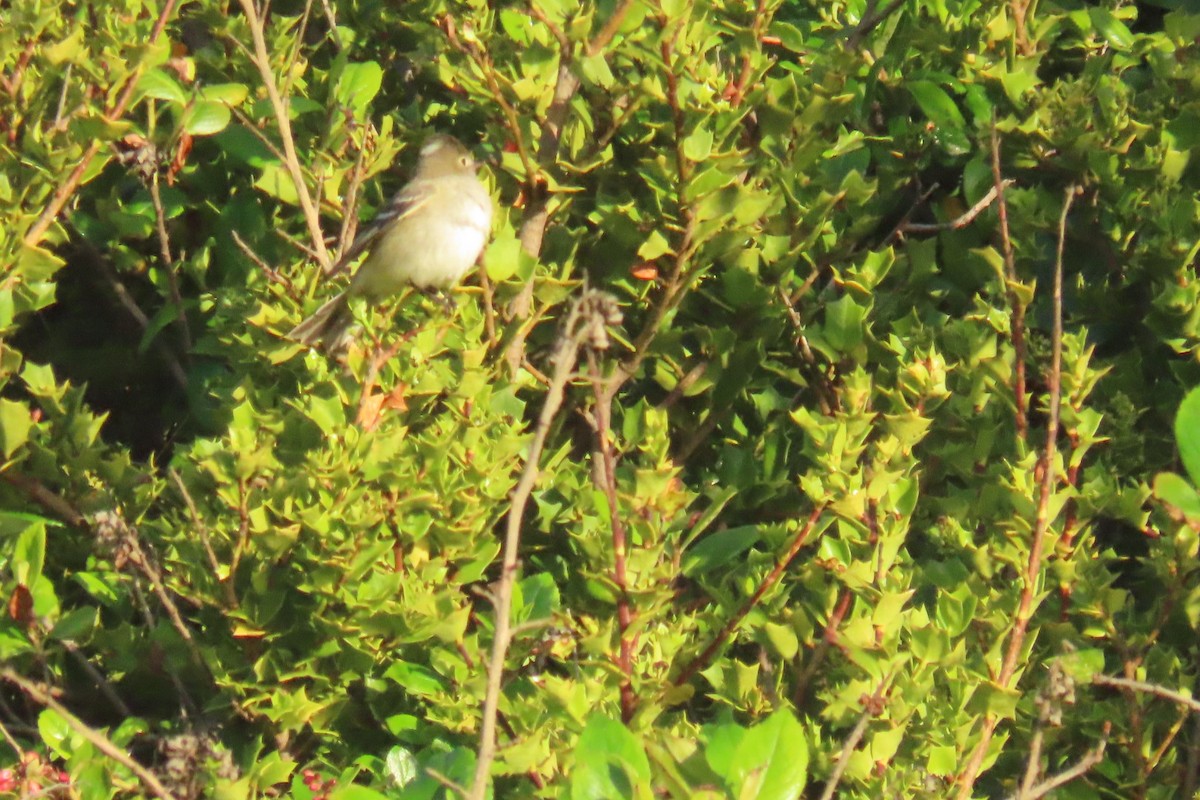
{"x":428,"y":236}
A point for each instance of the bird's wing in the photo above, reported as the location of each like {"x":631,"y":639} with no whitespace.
{"x":406,"y":201}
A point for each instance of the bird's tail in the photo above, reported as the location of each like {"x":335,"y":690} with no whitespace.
{"x":328,"y":324}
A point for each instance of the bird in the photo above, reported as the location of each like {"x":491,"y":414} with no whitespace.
{"x":428,"y":236}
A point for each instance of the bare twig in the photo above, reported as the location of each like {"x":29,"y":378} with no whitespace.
{"x":226,"y":583}
{"x":1016,"y":306}
{"x":262,"y":60}
{"x":574,"y":331}
{"x":164,"y":245}
{"x":537,"y":210}
{"x":701,"y":661}
{"x":605,"y":476}
{"x":1033,"y":569}
{"x":843,"y":761}
{"x":37,"y":231}
{"x":962,"y":220}
{"x":1177,"y":697}
{"x":102,"y":683}
{"x":1093,"y":757}
{"x":97,"y":739}
{"x":38,"y":493}
{"x":870,"y":21}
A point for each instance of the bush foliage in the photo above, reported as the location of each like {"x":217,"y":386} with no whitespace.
{"x":823,"y":372}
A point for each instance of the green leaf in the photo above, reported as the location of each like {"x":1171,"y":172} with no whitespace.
{"x":402,"y":766}
{"x":415,"y":678}
{"x":610,"y":762}
{"x":698,"y":145}
{"x":160,"y":85}
{"x":206,"y":117}
{"x":655,"y":245}
{"x":74,"y":624}
{"x":229,"y":94}
{"x":15,"y":424}
{"x":719,"y":550}
{"x":541,"y":598}
{"x":844,"y":324}
{"x":1111,"y":28}
{"x":772,"y":759}
{"x":55,"y":732}
{"x":505,"y":258}
{"x":29,"y":554}
{"x":1174,"y":490}
{"x":1187,"y":434}
{"x":949,"y":125}
{"x":358,"y":84}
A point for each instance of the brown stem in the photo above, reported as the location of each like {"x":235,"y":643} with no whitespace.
{"x":565,"y":356}
{"x":602,"y":425}
{"x":97,"y":739}
{"x":1016,"y":306}
{"x":37,"y":231}
{"x":262,"y":60}
{"x":1033,"y":567}
{"x":701,"y":661}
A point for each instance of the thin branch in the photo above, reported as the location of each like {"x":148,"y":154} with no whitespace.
{"x":843,"y":761}
{"x":97,"y":739}
{"x":1177,"y":697}
{"x":1033,"y":568}
{"x":48,"y":500}
{"x":701,"y":661}
{"x":962,"y":220}
{"x":37,"y":231}
{"x":169,"y":266}
{"x":102,"y":683}
{"x":870,"y":21}
{"x":1017,"y":308}
{"x":1093,"y":757}
{"x":575,"y":329}
{"x":605,"y":475}
{"x":231,"y":600}
{"x":262,"y":60}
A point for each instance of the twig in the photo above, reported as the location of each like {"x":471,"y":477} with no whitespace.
{"x":1093,"y":757}
{"x":1179,"y":698}
{"x":565,"y":356}
{"x":828,"y":637}
{"x":1033,"y":568}
{"x":97,"y":739}
{"x":331,"y":18}
{"x":701,"y":661}
{"x":164,"y":245}
{"x":102,"y":683}
{"x":870,"y":21}
{"x":537,"y":211}
{"x":605,"y":476}
{"x":350,"y":204}
{"x":66,"y":189}
{"x":1017,"y":309}
{"x":231,"y":600}
{"x":38,"y":493}
{"x":962,"y":220}
{"x":262,"y":60}
{"x":848,"y":748}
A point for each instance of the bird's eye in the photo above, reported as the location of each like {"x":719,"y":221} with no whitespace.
{"x":465,"y":161}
